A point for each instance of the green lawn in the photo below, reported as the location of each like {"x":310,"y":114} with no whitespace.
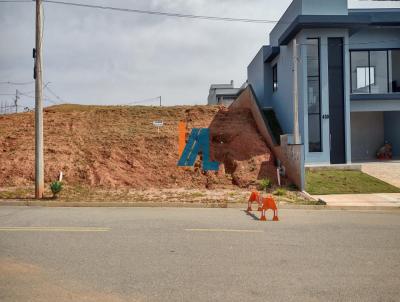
{"x":323,"y":182}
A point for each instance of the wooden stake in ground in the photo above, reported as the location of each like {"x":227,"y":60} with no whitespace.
{"x":39,"y":161}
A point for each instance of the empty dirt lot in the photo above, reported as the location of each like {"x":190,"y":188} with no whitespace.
{"x":116,"y":147}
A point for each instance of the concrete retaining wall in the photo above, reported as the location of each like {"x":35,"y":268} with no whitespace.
{"x":291,"y":156}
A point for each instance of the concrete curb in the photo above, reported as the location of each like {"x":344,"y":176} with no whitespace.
{"x":344,"y":167}
{"x":322,"y":207}
{"x":95,"y":204}
{"x":308,"y":196}
{"x":243,"y":206}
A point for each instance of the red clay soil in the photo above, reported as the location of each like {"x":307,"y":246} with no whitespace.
{"x":117,"y":147}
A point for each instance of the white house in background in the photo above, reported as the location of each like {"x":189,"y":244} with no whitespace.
{"x":222,"y":94}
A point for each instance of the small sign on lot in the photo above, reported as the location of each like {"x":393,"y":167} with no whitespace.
{"x":158,"y":124}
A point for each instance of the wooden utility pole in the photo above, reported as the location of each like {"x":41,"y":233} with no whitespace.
{"x":39,"y":158}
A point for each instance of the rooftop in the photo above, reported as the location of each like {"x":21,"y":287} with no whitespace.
{"x":329,"y":14}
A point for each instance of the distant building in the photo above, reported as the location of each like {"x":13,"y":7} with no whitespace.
{"x":223,"y":94}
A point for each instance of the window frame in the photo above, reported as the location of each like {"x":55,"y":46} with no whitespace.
{"x":368,"y":80}
{"x":275,"y":78}
{"x":388,"y":89}
{"x":320,"y":150}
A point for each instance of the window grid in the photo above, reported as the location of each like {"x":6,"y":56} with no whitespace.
{"x":312,"y":146}
{"x":368,"y":51}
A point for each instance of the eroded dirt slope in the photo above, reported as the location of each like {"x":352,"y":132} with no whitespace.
{"x":119,"y":147}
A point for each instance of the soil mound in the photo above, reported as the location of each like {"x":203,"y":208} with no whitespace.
{"x":118,"y":146}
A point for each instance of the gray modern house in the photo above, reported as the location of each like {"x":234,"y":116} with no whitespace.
{"x":222,"y":94}
{"x":344,"y":100}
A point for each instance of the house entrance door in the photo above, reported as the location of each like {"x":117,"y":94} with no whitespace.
{"x":336,"y":101}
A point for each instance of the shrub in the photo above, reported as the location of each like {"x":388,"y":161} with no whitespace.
{"x":56,"y":187}
{"x":280,"y":192}
{"x":265,"y":184}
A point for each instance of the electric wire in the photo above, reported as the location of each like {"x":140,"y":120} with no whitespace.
{"x":149,"y":12}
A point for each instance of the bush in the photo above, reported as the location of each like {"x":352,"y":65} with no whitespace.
{"x":265,"y":184}
{"x":280,"y":192}
{"x":56,"y":187}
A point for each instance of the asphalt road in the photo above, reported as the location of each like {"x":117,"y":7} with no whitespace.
{"x":155,"y":254}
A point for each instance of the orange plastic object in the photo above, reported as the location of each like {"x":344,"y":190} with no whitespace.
{"x":182,"y":137}
{"x":269,"y":204}
{"x":254,"y":197}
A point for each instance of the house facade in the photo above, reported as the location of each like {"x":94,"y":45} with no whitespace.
{"x":348,"y":79}
{"x":223,"y":94}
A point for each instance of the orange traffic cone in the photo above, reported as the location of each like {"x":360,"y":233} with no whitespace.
{"x":254,"y":196}
{"x":263,"y":218}
{"x":249,"y":207}
{"x":269,"y":203}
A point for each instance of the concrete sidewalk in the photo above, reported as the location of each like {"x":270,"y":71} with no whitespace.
{"x":387,"y":171}
{"x":362,"y":200}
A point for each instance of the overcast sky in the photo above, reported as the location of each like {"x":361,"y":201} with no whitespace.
{"x":103,"y":57}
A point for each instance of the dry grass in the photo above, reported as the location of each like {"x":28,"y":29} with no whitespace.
{"x":89,"y":194}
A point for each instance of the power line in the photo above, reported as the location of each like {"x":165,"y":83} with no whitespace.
{"x":149,"y":12}
{"x":53,"y":93}
{"x":46,"y":98}
{"x":160,"y":13}
{"x":27,"y":93}
{"x":17,"y":83}
{"x":14,"y":1}
{"x":149,"y":100}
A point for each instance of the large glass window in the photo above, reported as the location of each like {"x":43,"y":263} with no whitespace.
{"x":360,"y":72}
{"x":378,"y":71}
{"x":375,"y":71}
{"x":314,"y":99}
